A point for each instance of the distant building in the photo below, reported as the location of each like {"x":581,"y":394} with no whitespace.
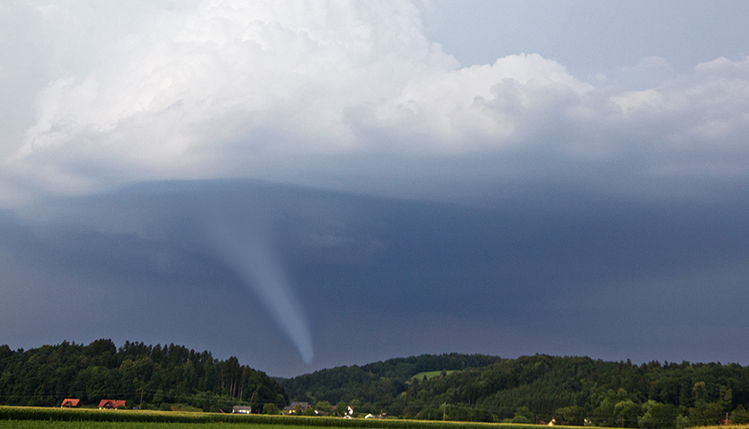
{"x":291,"y":409}
{"x":111,"y":403}
{"x":70,"y":403}
{"x":238,"y":409}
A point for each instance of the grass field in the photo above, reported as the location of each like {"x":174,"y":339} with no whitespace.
{"x":430,"y":374}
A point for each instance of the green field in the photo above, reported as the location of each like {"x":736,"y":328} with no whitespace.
{"x":48,"y":424}
{"x":55,"y":424}
{"x":430,"y":374}
{"x":48,"y":418}
{"x":51,"y":424}
{"x":41,"y":417}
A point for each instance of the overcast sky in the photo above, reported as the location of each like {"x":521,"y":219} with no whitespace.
{"x":306,"y":184}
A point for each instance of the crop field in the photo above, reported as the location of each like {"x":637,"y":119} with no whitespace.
{"x":40,"y":417}
{"x":48,"y":418}
{"x":51,"y":424}
{"x":55,"y":424}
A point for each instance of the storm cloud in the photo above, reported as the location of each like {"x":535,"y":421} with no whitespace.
{"x":375,"y":277}
{"x":337,"y":180}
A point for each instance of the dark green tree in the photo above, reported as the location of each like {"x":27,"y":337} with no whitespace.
{"x":270,"y":408}
{"x":658,"y":415}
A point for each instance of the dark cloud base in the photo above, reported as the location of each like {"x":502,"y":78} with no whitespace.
{"x":571,"y":273}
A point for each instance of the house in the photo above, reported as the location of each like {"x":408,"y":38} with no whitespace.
{"x":238,"y":409}
{"x":111,"y":403}
{"x":70,"y":403}
{"x":291,"y":409}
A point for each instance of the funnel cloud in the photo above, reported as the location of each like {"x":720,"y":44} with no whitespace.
{"x":250,"y":258}
{"x":376,"y":178}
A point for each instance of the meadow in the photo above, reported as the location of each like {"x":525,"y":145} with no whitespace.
{"x":431,"y":374}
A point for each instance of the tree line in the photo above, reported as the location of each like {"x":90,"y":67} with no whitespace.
{"x":458,"y":387}
{"x":570,"y":390}
{"x":374,"y":382}
{"x":144,"y":375}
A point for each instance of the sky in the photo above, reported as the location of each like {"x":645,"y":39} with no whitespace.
{"x":307,"y":184}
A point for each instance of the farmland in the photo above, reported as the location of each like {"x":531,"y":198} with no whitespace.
{"x":42,"y":417}
{"x":45,"y":424}
{"x":48,"y":418}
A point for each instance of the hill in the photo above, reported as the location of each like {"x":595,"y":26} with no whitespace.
{"x":570,"y":390}
{"x":156,"y":376}
{"x":375,"y":382}
{"x":459,"y":387}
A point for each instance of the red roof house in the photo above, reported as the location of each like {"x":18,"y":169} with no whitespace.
{"x":70,"y":403}
{"x":111,"y":403}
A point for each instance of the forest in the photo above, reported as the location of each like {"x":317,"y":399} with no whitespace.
{"x":375,"y":382}
{"x":569,"y":390}
{"x":146,"y":376}
{"x":457,"y":387}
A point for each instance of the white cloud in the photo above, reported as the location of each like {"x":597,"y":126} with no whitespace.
{"x":268,"y":89}
{"x":649,"y":65}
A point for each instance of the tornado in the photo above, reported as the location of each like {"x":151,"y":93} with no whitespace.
{"x":250,"y":257}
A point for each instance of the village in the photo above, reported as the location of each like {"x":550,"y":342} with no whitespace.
{"x":295,"y":408}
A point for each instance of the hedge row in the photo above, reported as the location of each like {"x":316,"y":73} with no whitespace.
{"x":61,"y":414}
